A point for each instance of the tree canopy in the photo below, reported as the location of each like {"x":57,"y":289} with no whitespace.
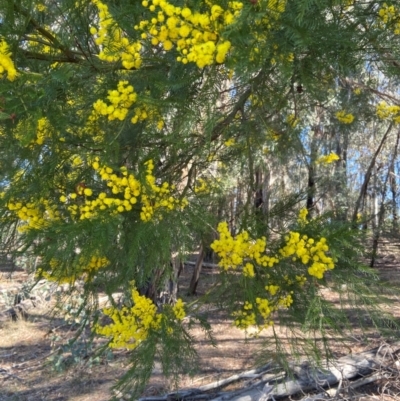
{"x":133,"y":132}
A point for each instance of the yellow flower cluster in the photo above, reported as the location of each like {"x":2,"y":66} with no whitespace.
{"x":41,"y":7}
{"x":241,"y":251}
{"x":42,"y":131}
{"x":276,"y":6}
{"x":114,"y":46}
{"x":272,"y":135}
{"x":285,"y":302}
{"x":83,"y":269}
{"x":264,"y":22}
{"x":260,"y":313}
{"x":303,"y":215}
{"x":197,"y":36}
{"x":309,"y":252}
{"x":133,"y":325}
{"x":272,"y":289}
{"x":281,"y":57}
{"x":120,"y":99}
{"x":384,"y":111}
{"x":247,"y":316}
{"x":97,"y":263}
{"x":230,"y":142}
{"x":390,"y":15}
{"x":6,"y":64}
{"x":264,"y":307}
{"x":126,"y":191}
{"x":158,"y":197}
{"x":122,"y":193}
{"x":91,"y":129}
{"x":292,"y":120}
{"x":302,"y":279}
{"x":248,"y":270}
{"x":345,"y":118}
{"x":145,"y":112}
{"x":328,"y":159}
{"x":207,"y":184}
{"x":40,"y":44}
{"x":179,"y":310}
{"x":201,"y":186}
{"x":36,"y":215}
{"x":234,"y":251}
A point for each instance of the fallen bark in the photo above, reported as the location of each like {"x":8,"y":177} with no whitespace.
{"x":307,"y":378}
{"x":372,"y":365}
{"x":250,"y":374}
{"x":334,"y":392}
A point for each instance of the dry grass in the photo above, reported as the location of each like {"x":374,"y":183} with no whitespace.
{"x":27,"y":347}
{"x":27,"y":373}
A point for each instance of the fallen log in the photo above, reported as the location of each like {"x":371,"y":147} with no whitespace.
{"x":204,"y":264}
{"x":334,"y":392}
{"x":307,"y":378}
{"x":250,"y":374}
{"x":371,"y":364}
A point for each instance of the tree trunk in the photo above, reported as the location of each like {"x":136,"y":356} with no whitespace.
{"x":171,"y":284}
{"x":393,"y":187}
{"x":380,"y":217}
{"x":196,"y":272}
{"x":266,"y":192}
{"x":162,"y":288}
{"x":374,"y":199}
{"x":311,"y":172}
{"x":340,"y":173}
{"x":149,"y":290}
{"x":367,"y":176}
{"x":258,"y":187}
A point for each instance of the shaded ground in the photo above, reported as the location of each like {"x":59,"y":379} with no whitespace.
{"x":33,"y":366}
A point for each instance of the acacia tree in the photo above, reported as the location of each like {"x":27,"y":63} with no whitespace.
{"x":126,"y":126}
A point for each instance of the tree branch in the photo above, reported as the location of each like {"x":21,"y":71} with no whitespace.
{"x":71,"y":57}
{"x":46,"y":57}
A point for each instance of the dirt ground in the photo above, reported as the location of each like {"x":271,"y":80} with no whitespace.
{"x":33,"y":366}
